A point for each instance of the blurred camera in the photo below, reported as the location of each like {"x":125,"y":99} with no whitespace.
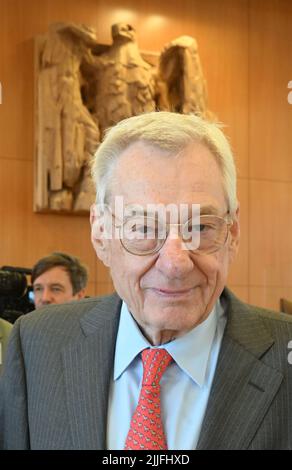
{"x":16,"y":296}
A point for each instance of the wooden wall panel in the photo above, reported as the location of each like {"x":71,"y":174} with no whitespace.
{"x":16,"y":75}
{"x":270,"y":149}
{"x":269,"y":297}
{"x":242,"y":292}
{"x":90,"y":289}
{"x":270,"y":237}
{"x":26,"y":236}
{"x":270,"y":70}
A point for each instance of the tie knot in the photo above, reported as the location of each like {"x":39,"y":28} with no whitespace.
{"x":155,"y":361}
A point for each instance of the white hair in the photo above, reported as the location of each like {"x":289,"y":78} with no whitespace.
{"x":170,"y":132}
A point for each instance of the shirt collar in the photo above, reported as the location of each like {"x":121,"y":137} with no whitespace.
{"x":130,"y":342}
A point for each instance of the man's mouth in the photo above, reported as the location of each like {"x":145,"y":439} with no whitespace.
{"x":172,"y":292}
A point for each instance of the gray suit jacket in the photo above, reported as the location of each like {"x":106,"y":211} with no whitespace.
{"x":55,"y":386}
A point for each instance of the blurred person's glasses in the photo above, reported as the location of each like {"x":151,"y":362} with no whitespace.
{"x":144,"y":235}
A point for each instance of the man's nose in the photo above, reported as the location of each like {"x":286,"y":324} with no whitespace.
{"x":46,"y":297}
{"x":174,"y":259}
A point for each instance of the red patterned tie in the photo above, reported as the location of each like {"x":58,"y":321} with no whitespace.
{"x":146,"y":429}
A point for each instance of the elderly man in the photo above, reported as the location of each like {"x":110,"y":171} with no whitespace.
{"x":5,"y":330}
{"x":173,"y":360}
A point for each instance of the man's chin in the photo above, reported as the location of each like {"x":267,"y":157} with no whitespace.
{"x":173,"y":317}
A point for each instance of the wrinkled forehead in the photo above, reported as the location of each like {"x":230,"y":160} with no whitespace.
{"x":166,"y":212}
{"x":145,"y":175}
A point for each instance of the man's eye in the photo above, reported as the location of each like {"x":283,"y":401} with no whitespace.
{"x":197,"y":228}
{"x":139,"y":228}
{"x":37,"y":289}
{"x":56,"y":289}
{"x":205,"y":227}
{"x":147,"y":229}
{"x":142,"y":228}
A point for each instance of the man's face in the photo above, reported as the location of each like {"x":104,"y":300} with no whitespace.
{"x":173,"y":290}
{"x":53,"y":287}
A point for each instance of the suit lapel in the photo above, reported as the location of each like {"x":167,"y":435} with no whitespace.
{"x":243,"y":386}
{"x":88,"y":366}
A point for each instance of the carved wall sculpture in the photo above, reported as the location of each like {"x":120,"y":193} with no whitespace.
{"x":83,"y":87}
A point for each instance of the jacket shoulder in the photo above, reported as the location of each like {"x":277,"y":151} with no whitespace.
{"x":63,"y":322}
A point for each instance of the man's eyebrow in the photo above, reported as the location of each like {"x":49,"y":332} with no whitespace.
{"x":209,"y":210}
{"x":204,"y":210}
{"x":54,"y":284}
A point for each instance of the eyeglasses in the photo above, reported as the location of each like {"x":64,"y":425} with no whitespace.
{"x":144,"y":235}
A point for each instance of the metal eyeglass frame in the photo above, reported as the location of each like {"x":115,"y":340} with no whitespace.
{"x":161,"y":242}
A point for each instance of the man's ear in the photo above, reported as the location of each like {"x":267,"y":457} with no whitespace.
{"x":80,"y":295}
{"x":234,"y":236}
{"x":98,"y":239}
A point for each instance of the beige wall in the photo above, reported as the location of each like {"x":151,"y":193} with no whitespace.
{"x":246,"y":52}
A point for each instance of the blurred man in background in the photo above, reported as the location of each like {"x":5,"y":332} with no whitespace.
{"x":58,"y":278}
{"x":5,"y":329}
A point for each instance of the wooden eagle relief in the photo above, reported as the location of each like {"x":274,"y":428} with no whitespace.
{"x":83,"y":87}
